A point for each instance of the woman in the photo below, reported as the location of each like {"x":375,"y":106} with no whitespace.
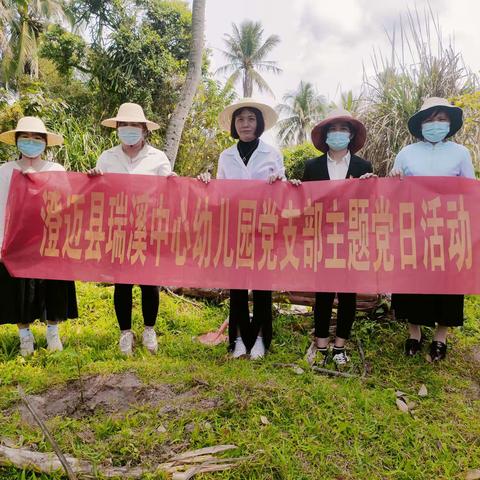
{"x":134,"y":156}
{"x":432,"y":155}
{"x":249,"y":159}
{"x":340,"y":136}
{"x":23,"y":300}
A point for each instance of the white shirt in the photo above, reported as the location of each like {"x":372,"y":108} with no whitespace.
{"x":149,"y":161}
{"x":442,"y":159}
{"x":264,"y":162}
{"x":338,"y":170}
{"x":6,"y":171}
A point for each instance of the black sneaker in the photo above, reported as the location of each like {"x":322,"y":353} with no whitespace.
{"x":413,"y":346}
{"x":438,"y":351}
{"x":339,"y":357}
{"x":323,"y":357}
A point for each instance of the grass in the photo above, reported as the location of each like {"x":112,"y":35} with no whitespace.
{"x":319,"y":428}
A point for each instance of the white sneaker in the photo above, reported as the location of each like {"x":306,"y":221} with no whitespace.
{"x":149,"y":340}
{"x":126,"y":342}
{"x":54,"y":344}
{"x":340,"y":358}
{"x":27,"y":345}
{"x":240,"y":348}
{"x":258,"y":349}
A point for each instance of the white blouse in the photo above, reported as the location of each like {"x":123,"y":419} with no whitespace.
{"x":149,"y":161}
{"x":264,"y":162}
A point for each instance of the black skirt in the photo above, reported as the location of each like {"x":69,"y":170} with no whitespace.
{"x":23,"y":300}
{"x":428,"y":310}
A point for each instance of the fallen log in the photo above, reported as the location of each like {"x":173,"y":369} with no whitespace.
{"x":182,"y":466}
{"x":365,"y":302}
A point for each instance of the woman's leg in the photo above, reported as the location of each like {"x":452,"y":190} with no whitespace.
{"x":150,"y":303}
{"x":239,"y":322}
{"x":27,"y":342}
{"x":322,"y":315}
{"x":347,"y":304}
{"x":261,"y":324}
{"x":122,"y":300}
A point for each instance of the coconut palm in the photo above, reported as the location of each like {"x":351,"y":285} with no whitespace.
{"x":302,"y":108}
{"x":25,"y":20}
{"x":246,"y":53}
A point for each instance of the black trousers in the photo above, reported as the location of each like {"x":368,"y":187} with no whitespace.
{"x":239,"y":318}
{"x":122,"y":299}
{"x":322,"y":313}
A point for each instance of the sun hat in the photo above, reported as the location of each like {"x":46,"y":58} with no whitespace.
{"x":270,"y":117}
{"x":130,"y":112}
{"x":31,"y":125}
{"x":429,"y":106}
{"x":319,"y":132}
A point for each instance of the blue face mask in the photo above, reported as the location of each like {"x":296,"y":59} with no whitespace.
{"x":435,"y":131}
{"x":338,"y":140}
{"x":130,"y":135}
{"x":31,"y":147}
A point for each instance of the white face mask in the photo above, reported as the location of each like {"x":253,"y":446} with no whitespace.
{"x":130,"y":135}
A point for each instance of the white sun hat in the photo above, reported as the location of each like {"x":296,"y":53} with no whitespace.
{"x":130,"y":112}
{"x":270,"y":117}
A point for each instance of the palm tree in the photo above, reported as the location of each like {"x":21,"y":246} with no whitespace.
{"x":25,"y":20}
{"x":246,"y":54}
{"x":194,"y":73}
{"x":303,"y":108}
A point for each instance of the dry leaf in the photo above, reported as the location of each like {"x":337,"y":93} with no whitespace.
{"x":473,"y":475}
{"x":264,"y":420}
{"x":402,"y":406}
{"x":161,"y":429}
{"x":423,"y":392}
{"x":399,"y":394}
{"x":298,"y":370}
{"x":411,"y":405}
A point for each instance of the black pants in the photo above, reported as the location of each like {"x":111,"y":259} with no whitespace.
{"x":240,"y":319}
{"x":122,"y":299}
{"x":322,"y":313}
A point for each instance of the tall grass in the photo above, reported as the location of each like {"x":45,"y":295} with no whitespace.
{"x":420,"y":64}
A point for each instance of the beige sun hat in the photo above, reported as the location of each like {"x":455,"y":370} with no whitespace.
{"x":31,"y":125}
{"x":130,"y":112}
{"x":429,"y":106}
{"x":270,"y":117}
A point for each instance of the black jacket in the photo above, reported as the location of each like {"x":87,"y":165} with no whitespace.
{"x":316,"y":168}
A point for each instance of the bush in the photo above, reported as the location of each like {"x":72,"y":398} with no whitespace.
{"x":295,"y":157}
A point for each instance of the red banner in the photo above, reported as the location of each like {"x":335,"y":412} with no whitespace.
{"x":413,"y":235}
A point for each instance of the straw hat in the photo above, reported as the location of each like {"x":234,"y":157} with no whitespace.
{"x":130,"y":112}
{"x":429,"y":106}
{"x":31,"y":125}
{"x":319,"y":132}
{"x":270,"y":117}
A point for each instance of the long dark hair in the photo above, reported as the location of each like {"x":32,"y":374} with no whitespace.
{"x":258,"y":115}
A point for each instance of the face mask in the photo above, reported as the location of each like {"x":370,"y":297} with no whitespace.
{"x":435,"y":131}
{"x":30,"y":147}
{"x":338,"y":140}
{"x":130,"y":135}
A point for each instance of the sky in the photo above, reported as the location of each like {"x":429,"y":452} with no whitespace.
{"x":327,"y":42}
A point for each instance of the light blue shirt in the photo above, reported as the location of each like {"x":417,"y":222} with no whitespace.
{"x":442,"y":159}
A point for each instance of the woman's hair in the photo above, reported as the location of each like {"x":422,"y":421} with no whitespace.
{"x":258,"y":115}
{"x":43,"y":135}
{"x":436,"y":112}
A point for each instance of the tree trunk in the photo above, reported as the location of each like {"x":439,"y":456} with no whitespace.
{"x":177,"y":120}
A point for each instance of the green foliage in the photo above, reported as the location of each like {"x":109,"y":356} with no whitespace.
{"x":66,"y":50}
{"x":295,"y":157}
{"x":203,"y":140}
